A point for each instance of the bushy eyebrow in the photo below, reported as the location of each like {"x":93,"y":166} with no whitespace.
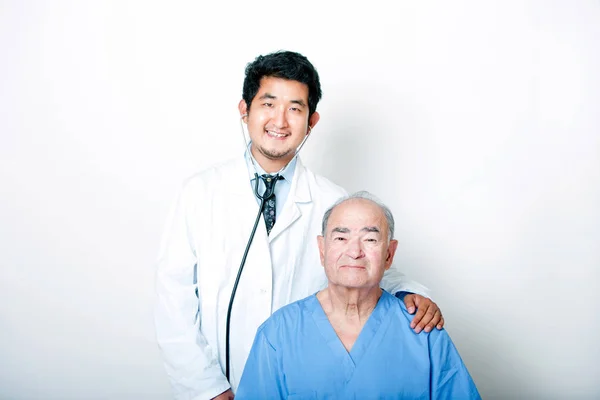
{"x":299,"y":102}
{"x":340,"y":230}
{"x":267,"y":96}
{"x":370,"y":229}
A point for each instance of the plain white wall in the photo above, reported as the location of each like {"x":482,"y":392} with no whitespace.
{"x":477,"y":122}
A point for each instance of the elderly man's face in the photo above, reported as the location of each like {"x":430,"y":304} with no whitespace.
{"x":355,"y":250}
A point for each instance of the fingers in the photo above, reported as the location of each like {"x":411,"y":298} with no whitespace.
{"x":428,"y":313}
{"x":441,"y":324}
{"x":418,"y":322}
{"x":437,"y":317}
{"x":409,"y":302}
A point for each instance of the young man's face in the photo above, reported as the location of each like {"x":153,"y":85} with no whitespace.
{"x":355,"y":250}
{"x":278,"y":121}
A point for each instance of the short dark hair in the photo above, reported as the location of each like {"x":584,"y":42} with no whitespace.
{"x":287,"y":65}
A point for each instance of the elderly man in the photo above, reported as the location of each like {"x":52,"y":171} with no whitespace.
{"x":205,"y":321}
{"x":353,"y":339}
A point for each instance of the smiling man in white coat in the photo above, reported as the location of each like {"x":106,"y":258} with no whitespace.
{"x":212,"y":220}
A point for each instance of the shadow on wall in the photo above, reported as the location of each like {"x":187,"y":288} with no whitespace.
{"x":490,"y":358}
{"x":353,"y":146}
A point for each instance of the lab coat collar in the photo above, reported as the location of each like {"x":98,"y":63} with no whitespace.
{"x":299,"y":193}
{"x":300,"y":187}
{"x":253,"y":166}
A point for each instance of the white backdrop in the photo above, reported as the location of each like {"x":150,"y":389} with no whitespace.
{"x":477,"y":122}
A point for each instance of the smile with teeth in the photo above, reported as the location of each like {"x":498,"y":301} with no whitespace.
{"x":276,"y":135}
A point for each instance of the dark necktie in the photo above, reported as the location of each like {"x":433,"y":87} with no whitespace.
{"x":269,"y":210}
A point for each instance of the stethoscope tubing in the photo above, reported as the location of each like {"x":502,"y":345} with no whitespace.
{"x":263,"y":198}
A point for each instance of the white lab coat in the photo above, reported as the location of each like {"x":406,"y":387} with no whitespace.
{"x":209,"y":227}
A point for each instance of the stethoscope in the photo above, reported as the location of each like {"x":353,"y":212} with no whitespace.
{"x":269,"y":192}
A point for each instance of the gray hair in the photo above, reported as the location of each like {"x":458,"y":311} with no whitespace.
{"x":365,"y":196}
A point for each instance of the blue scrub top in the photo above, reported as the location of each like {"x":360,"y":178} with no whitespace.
{"x":297,"y":354}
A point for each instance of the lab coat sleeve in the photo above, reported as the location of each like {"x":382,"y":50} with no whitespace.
{"x":191,"y":365}
{"x":263,"y":375}
{"x":395,"y":281}
{"x":449,"y":376}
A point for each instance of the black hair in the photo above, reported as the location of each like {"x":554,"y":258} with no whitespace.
{"x":282,"y":64}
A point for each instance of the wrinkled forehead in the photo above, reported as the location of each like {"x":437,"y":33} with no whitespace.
{"x":357,"y":213}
